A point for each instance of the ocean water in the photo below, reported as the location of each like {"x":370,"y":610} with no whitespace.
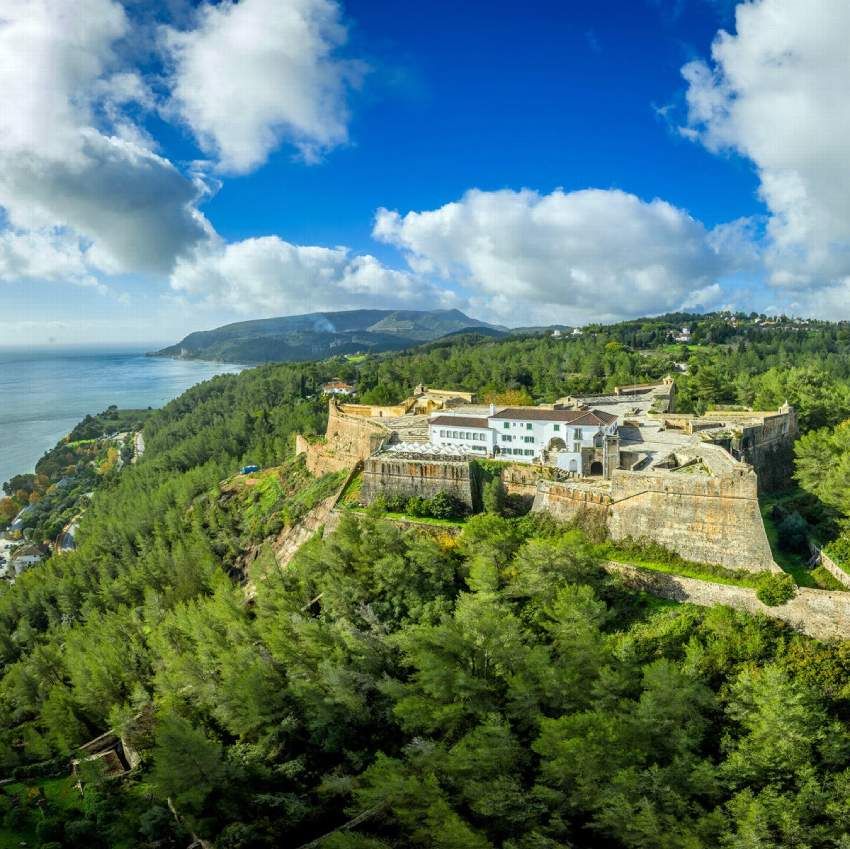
{"x":44,"y":393}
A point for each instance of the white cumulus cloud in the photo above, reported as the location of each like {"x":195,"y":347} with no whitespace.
{"x":566,"y":256}
{"x":270,"y":275}
{"x":776,"y":92}
{"x":44,"y":255}
{"x":69,"y":159}
{"x":254,"y":74}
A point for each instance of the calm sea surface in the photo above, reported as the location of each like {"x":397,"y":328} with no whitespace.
{"x":43,"y":394}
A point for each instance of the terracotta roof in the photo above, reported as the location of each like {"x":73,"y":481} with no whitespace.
{"x":535,"y":414}
{"x":459,"y":421}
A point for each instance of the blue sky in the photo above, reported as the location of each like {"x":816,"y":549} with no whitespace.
{"x":170,"y":168}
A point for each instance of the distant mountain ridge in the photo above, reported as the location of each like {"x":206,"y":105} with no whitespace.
{"x":318,"y":335}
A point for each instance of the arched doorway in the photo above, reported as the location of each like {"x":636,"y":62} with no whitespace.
{"x":596,"y":468}
{"x":573,"y":465}
{"x":557,"y":444}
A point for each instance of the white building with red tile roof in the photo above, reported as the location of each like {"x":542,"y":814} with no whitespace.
{"x":529,"y":435}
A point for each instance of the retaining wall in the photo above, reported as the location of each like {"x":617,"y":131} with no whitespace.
{"x":818,"y":613}
{"x":833,"y":568}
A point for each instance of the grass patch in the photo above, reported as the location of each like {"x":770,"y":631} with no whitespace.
{"x":654,"y":557}
{"x":791,"y":562}
{"x":265,"y":502}
{"x":351,"y":494}
{"x":825,"y":580}
{"x":417,"y":520}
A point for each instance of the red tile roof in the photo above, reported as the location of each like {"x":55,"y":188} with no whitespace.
{"x":459,"y":421}
{"x":535,"y":414}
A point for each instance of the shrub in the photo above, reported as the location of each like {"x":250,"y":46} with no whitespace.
{"x":445,"y":506}
{"x":441,"y":506}
{"x":774,"y":590}
{"x":417,"y":506}
{"x":839,"y":550}
{"x":49,"y":829}
{"x":493,"y":496}
{"x":793,"y":532}
{"x":43,"y":769}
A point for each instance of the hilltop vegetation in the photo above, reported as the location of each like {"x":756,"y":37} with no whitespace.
{"x":494,"y":689}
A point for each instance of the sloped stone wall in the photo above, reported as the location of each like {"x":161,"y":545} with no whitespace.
{"x":702,"y":518}
{"x":819,"y":613}
{"x":566,"y":501}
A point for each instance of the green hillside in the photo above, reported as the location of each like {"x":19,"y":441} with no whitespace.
{"x":491,"y":686}
{"x":319,"y":335}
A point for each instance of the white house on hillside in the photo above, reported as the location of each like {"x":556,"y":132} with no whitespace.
{"x":573,"y":440}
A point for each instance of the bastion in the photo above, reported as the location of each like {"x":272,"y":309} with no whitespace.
{"x":702,"y":518}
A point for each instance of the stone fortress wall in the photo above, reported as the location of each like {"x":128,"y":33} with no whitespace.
{"x":701,"y":518}
{"x":699,"y":498}
{"x":712,"y":519}
{"x":764,"y":440}
{"x":387,"y":475}
{"x":348,"y":440}
{"x":704,"y":507}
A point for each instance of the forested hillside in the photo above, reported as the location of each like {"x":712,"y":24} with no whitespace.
{"x":490,"y":689}
{"x":322,"y":334}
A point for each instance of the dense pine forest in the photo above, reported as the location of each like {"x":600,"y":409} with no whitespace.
{"x":395,"y":688}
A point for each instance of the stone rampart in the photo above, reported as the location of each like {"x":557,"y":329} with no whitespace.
{"x":707,"y":519}
{"x":348,"y":439}
{"x":376,"y":411}
{"x":819,"y":613}
{"x":521,"y":479}
{"x":769,"y":448}
{"x":702,"y":518}
{"x":568,"y":501}
{"x":387,"y":475}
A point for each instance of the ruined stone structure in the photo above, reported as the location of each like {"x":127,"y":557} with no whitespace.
{"x":388,"y":475}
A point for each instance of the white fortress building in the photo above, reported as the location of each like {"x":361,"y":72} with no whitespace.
{"x":578,"y":441}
